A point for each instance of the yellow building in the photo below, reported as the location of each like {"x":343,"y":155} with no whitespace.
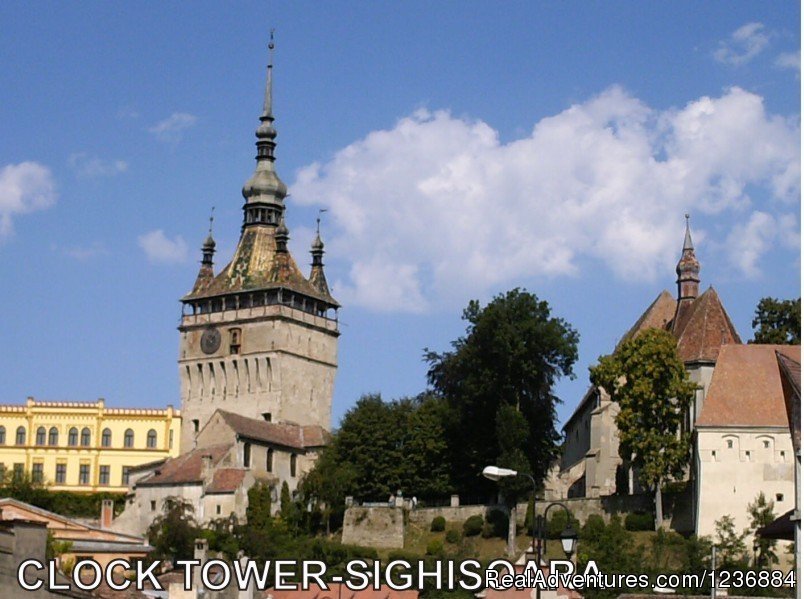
{"x":75,"y":446}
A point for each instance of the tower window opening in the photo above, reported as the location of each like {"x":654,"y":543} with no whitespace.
{"x":293,"y":464}
{"x":247,"y":455}
{"x":266,"y":416}
{"x":234,"y":340}
{"x":195,"y":425}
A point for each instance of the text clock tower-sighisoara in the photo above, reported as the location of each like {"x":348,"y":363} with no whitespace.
{"x":259,"y":338}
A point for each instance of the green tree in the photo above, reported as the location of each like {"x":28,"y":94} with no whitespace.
{"x":646,"y":378}
{"x":761,"y":512}
{"x":172,"y":534}
{"x":512,"y":354}
{"x":327,"y":485}
{"x":264,"y":536}
{"x":731,"y":551}
{"x":777,"y":321}
{"x":382,"y":447}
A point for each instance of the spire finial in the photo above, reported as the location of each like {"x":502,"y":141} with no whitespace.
{"x":688,"y":235}
{"x":267,"y":107}
{"x":318,"y":221}
{"x":211,"y":220}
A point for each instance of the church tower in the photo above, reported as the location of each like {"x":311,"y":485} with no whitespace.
{"x":259,"y":338}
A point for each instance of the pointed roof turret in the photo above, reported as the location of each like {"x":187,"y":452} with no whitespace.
{"x":688,"y":268}
{"x":206,"y":273}
{"x":317,"y":278}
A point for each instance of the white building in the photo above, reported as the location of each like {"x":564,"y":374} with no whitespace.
{"x":742,"y":437}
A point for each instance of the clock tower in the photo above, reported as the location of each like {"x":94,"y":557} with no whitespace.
{"x":259,"y":338}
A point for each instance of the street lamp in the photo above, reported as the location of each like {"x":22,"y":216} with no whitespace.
{"x":568,"y":536}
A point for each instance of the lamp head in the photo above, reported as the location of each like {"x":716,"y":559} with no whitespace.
{"x":568,"y":540}
{"x":496,"y":473}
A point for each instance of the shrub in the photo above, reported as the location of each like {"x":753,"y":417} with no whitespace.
{"x":593,"y":528}
{"x":473,"y":526}
{"x":558,"y":522}
{"x":405,"y":556}
{"x":438,"y":524}
{"x":453,"y":536}
{"x":487,"y":531}
{"x":639,"y":521}
{"x":435,"y":547}
{"x":499,"y":523}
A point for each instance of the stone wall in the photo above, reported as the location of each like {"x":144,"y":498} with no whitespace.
{"x":380,"y":527}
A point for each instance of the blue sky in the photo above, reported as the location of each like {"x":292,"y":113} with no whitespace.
{"x":461,"y":148}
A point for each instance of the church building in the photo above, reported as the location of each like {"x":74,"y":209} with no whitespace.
{"x":590,"y":463}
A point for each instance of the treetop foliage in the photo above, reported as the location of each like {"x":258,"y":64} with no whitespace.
{"x":512,"y":354}
{"x":777,"y":321}
{"x":649,"y":382}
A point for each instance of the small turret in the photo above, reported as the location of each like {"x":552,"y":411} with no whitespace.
{"x":317,"y":278}
{"x":206,"y":273}
{"x":688,"y":268}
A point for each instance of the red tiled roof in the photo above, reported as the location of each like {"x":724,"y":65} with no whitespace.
{"x":279,"y":433}
{"x":226,"y":480}
{"x":659,"y":315}
{"x":746,"y":388}
{"x":186,"y":468}
{"x":703,"y":328}
{"x":341,"y":591}
{"x":791,"y":386}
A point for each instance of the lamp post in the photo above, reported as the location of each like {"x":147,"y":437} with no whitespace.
{"x":496,"y":474}
{"x":568,"y":536}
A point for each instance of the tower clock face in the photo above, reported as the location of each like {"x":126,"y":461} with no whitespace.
{"x":210,"y":340}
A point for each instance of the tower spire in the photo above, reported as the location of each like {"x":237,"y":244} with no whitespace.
{"x":264,"y":192}
{"x":688,"y":268}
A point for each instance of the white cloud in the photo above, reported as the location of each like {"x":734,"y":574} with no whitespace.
{"x":437,"y":208}
{"x":744,"y":44}
{"x":83,"y":253}
{"x":789,"y":60}
{"x":172,"y":129}
{"x":24,"y":187}
{"x":161,"y":250}
{"x":92,"y":167}
{"x":750,"y":240}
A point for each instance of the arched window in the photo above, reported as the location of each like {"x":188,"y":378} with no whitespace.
{"x":85,"y":437}
{"x":128,"y":438}
{"x":106,"y":438}
{"x":269,"y":460}
{"x":247,"y":455}
{"x":151,"y":441}
{"x":20,"y":435}
{"x":40,"y":435}
{"x":2,"y":435}
{"x":53,"y":436}
{"x":72,"y":437}
{"x":293,"y":464}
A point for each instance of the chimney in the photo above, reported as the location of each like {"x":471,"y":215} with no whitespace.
{"x":200,"y":554}
{"x":206,"y":467}
{"x":107,"y":514}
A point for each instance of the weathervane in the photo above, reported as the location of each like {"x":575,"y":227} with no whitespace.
{"x":318,"y":220}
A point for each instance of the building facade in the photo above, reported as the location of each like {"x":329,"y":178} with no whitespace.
{"x":85,"y":447}
{"x":259,"y":338}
